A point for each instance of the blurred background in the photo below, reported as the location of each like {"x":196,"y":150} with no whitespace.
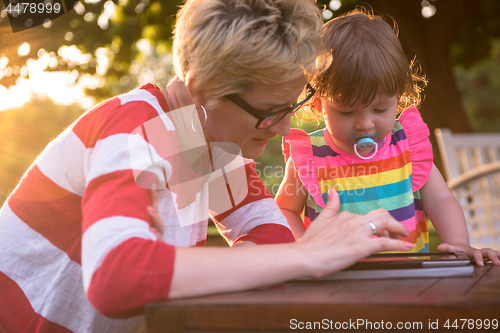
{"x":50,"y":74}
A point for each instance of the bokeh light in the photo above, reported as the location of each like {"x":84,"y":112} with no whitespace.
{"x":428,"y":10}
{"x":327,"y":14}
{"x":24,"y":49}
{"x":335,"y":5}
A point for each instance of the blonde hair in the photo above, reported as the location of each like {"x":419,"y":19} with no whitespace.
{"x":367,"y":59}
{"x":229,"y":46}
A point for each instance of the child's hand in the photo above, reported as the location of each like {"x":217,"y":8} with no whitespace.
{"x":477,"y":254}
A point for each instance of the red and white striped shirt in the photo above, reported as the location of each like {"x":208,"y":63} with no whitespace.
{"x":75,"y":235}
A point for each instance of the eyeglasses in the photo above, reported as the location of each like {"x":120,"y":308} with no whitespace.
{"x":269,"y":119}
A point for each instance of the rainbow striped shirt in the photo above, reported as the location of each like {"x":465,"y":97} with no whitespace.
{"x":390,"y":180}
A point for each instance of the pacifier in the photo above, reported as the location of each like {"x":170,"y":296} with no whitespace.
{"x":365,"y":141}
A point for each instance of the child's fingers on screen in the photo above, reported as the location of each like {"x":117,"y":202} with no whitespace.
{"x":444,"y":247}
{"x":491,"y":255}
{"x":477,"y":255}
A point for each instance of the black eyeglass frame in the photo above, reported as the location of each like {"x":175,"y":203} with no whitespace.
{"x":236,"y":99}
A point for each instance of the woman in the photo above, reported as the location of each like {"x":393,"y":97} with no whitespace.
{"x":78,"y":217}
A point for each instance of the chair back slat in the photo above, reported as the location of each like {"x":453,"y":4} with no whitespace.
{"x":462,"y":154}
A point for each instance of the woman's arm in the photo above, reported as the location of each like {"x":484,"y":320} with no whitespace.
{"x":291,"y":198}
{"x":333,"y":242}
{"x":447,"y":217}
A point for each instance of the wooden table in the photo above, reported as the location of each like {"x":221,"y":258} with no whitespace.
{"x":364,"y":305}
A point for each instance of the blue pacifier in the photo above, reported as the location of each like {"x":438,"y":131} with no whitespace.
{"x":365,"y":141}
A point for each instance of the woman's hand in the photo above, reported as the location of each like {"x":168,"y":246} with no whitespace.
{"x":477,"y":254}
{"x":155,"y":219}
{"x":331,"y":243}
{"x":335,"y":241}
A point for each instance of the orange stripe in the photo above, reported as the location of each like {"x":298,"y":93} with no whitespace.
{"x":364,"y":169}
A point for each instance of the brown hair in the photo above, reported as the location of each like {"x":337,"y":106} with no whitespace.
{"x":367,"y":58}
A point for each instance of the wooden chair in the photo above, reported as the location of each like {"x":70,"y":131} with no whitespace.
{"x":471,"y":164}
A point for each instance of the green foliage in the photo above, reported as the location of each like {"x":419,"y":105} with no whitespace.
{"x":271,"y":164}
{"x":472,"y":42}
{"x":434,"y":239}
{"x":24,"y":132}
{"x":151,"y":20}
{"x":480,"y":85}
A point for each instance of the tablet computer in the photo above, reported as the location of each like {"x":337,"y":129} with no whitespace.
{"x":400,"y":260}
{"x":406,"y":265}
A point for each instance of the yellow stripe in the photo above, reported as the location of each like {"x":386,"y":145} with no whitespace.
{"x":366,"y":181}
{"x":419,"y":245}
{"x":317,"y":140}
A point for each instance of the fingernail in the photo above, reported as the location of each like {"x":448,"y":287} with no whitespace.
{"x":409,"y":245}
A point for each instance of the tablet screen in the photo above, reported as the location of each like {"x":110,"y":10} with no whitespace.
{"x":412,"y":260}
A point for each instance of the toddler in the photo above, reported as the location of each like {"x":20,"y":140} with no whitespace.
{"x":375,"y":149}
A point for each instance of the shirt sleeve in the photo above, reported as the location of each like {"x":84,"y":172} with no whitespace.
{"x":124,"y":265}
{"x":257,"y":218}
{"x":297,"y":146}
{"x":417,"y":134}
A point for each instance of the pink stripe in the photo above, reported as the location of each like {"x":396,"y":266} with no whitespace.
{"x":134,"y":273}
{"x":16,"y":313}
{"x":154,"y":90}
{"x":298,"y":146}
{"x":50,"y":210}
{"x":111,"y":118}
{"x":102,"y":198}
{"x":386,"y":151}
{"x":268,"y":234}
{"x":420,"y":215}
{"x":410,"y":224}
{"x":417,"y":134}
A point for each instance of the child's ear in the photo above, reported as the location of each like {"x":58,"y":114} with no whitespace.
{"x":317,"y":104}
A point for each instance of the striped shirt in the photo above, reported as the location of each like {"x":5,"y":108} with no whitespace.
{"x":75,"y":235}
{"x":390,"y":180}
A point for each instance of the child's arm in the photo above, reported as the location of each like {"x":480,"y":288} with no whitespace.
{"x":291,"y":198}
{"x":447,"y":217}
